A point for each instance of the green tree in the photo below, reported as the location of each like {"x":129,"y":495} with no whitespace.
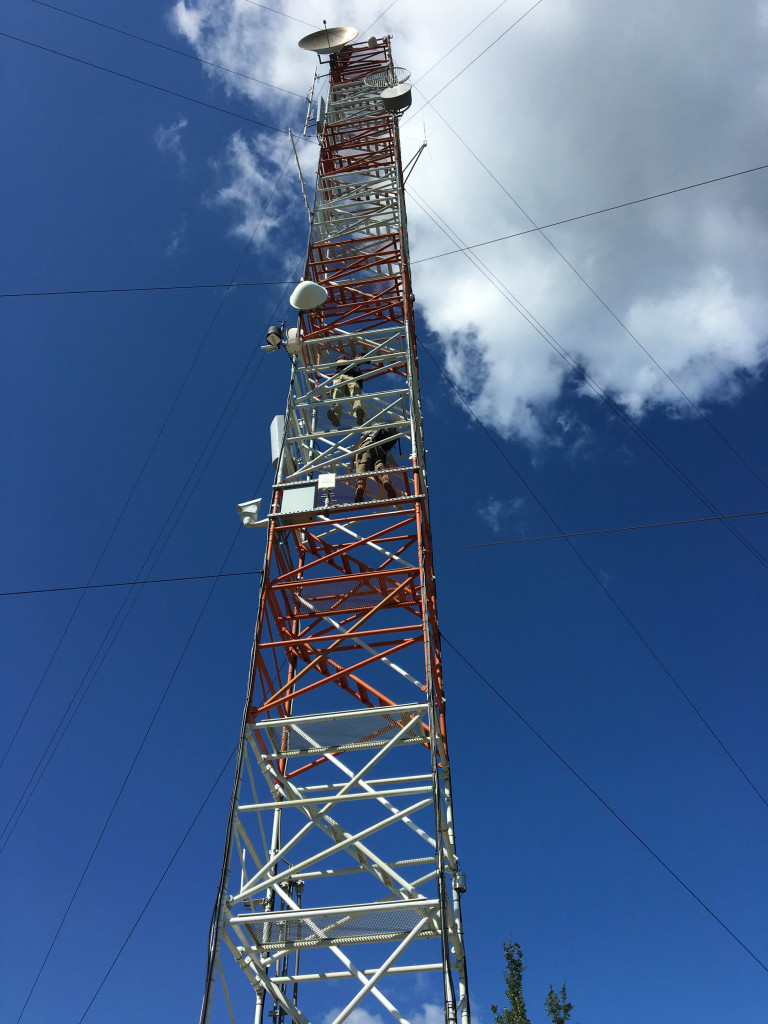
{"x":513,"y":976}
{"x":556,"y":1004}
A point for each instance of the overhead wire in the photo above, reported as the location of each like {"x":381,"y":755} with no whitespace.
{"x":160,"y":881}
{"x":600,"y":799}
{"x":538,"y":736}
{"x":145,"y":464}
{"x":147,"y":288}
{"x":216,"y":579}
{"x":115,"y":627}
{"x":595,"y":576}
{"x":128,"y":583}
{"x":170,"y":411}
{"x":628,"y":420}
{"x":106,"y":644}
{"x":282,"y":14}
{"x":596,"y":533}
{"x":108,"y":641}
{"x":710,"y":727}
{"x":584,"y":216}
{"x":474,"y":60}
{"x":593,"y":385}
{"x":375,"y":20}
{"x":458,"y":654}
{"x":455,"y":46}
{"x":163,"y":46}
{"x":713,"y":427}
{"x":237,"y":750}
{"x":615,"y":316}
{"x":149,"y":85}
{"x":528,"y":725}
{"x":423,"y":259}
{"x":454,"y":547}
{"x":124,"y":783}
{"x":536,"y":227}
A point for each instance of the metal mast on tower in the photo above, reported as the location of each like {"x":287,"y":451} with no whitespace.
{"x":340,"y":882}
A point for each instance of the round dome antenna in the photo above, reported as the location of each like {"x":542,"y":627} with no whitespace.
{"x":328,"y":40}
{"x":308,"y":295}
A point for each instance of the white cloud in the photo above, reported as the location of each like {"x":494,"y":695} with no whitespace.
{"x":496,"y":512}
{"x":176,"y":243}
{"x":430,"y":1013}
{"x":577,"y":108}
{"x":168,"y":140}
{"x":187,"y":21}
{"x":250,"y":40}
{"x":707,"y":335}
{"x":252,"y":192}
{"x":358,"y":1016}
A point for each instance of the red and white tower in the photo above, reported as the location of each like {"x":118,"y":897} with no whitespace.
{"x":340,"y":880}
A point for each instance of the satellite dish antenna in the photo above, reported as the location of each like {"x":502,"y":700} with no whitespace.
{"x":328,"y":40}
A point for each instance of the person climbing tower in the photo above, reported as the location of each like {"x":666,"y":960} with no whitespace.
{"x":370,"y":452}
{"x":346,"y":385}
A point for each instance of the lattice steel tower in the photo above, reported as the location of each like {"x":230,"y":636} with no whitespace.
{"x":340,"y":881}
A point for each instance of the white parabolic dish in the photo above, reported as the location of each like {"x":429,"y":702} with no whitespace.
{"x":328,"y":40}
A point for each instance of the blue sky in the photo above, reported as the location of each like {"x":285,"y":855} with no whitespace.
{"x":110,"y":184}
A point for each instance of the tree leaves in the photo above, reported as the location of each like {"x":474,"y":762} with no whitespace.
{"x":556,"y":1004}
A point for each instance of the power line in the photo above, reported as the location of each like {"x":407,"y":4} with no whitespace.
{"x":238,"y":749}
{"x":29,"y":793}
{"x":595,"y":576}
{"x":163,"y":46}
{"x":605,"y":804}
{"x":124,"y":783}
{"x":466,"y":36}
{"x":602,"y":302}
{"x":595,"y":533}
{"x":454,"y":547}
{"x":593,"y":213}
{"x":475,"y":59}
{"x":131,"y":583}
{"x":281,"y":13}
{"x":148,"y":288}
{"x":581,"y":278}
{"x":114,"y":961}
{"x":520,"y":717}
{"x":385,"y":11}
{"x":141,"y":474}
{"x":424,"y":259}
{"x":584,"y":375}
{"x":149,"y":85}
{"x":107,"y":643}
{"x":160,"y":881}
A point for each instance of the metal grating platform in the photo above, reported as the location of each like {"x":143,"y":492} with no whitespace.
{"x":289,"y":737}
